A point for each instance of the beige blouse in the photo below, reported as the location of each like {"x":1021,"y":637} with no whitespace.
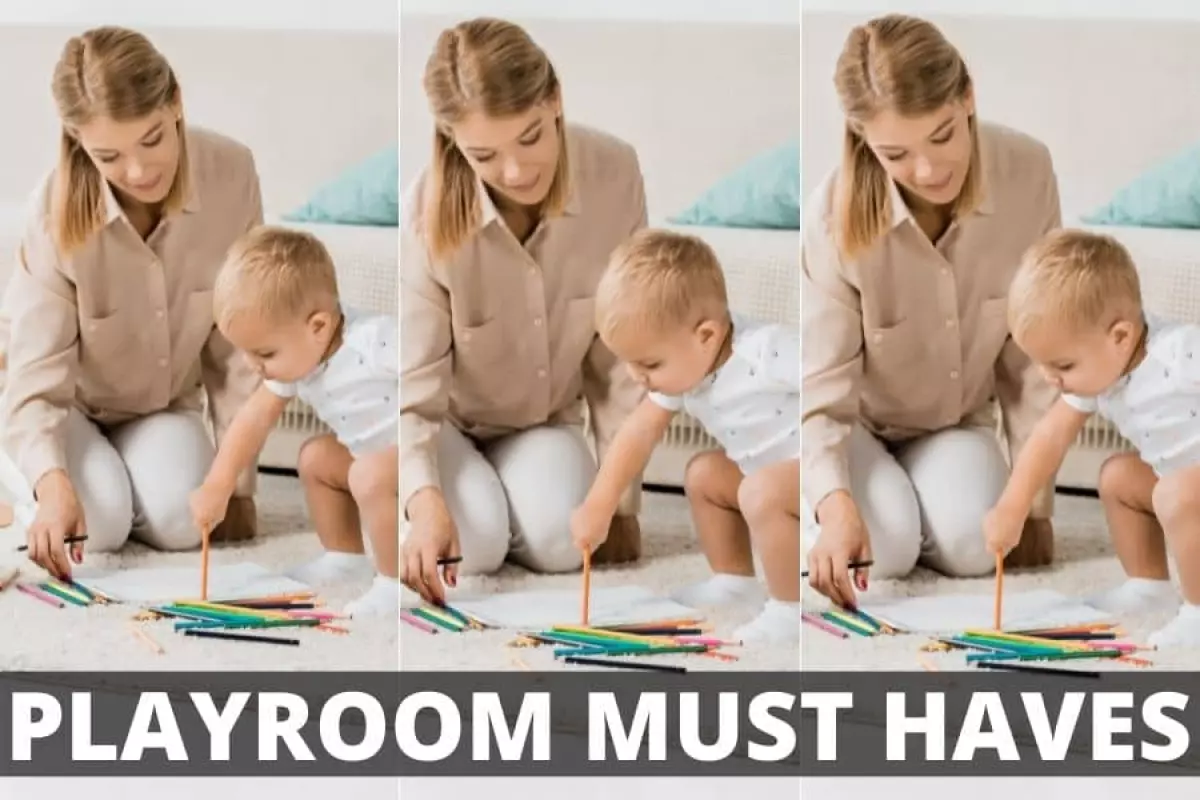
{"x":123,"y":327}
{"x":912,"y":337}
{"x":500,"y":337}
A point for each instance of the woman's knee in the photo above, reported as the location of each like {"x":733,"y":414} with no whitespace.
{"x":476,"y":501}
{"x":888,"y":505}
{"x":101,"y":485}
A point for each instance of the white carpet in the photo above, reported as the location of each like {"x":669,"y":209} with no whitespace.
{"x":1084,"y":563}
{"x":37,"y":636}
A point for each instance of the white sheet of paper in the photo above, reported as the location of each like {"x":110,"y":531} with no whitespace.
{"x":538,"y":610}
{"x":153,"y":586}
{"x":956,"y":613}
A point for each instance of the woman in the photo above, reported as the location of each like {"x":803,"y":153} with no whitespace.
{"x":509,"y":230}
{"x":111,"y":343}
{"x":906,"y":345}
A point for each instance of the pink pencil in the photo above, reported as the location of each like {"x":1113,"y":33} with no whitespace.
{"x":817,"y":622}
{"x":418,"y":624}
{"x":40,"y":595}
{"x":707,"y":641}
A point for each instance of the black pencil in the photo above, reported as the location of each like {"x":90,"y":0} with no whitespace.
{"x":1010,"y":666}
{"x":851,"y":565}
{"x":240,"y":637}
{"x":442,"y":562}
{"x":605,"y":662}
{"x":68,"y":540}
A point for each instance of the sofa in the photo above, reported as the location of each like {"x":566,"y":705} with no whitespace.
{"x":264,"y":89}
{"x":1103,"y":94}
{"x":655,"y":85}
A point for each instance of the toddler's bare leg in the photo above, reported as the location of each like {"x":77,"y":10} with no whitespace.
{"x":374,"y":484}
{"x":324,"y":467}
{"x":711,"y":483}
{"x":1177,"y":502}
{"x":1126,"y":489}
{"x":770,"y":501}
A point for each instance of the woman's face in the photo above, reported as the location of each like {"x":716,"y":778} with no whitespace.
{"x":515,"y":156}
{"x":928,"y":155}
{"x":139,"y":158}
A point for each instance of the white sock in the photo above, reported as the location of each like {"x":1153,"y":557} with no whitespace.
{"x":1183,"y":631}
{"x":777,"y":623}
{"x":382,"y":598}
{"x":1136,"y":596}
{"x":333,"y":567}
{"x":719,"y":590}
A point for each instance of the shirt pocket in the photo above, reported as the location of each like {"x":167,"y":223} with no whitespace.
{"x":991,"y":333}
{"x":487,"y":367}
{"x":891,"y":363}
{"x":109,"y":349}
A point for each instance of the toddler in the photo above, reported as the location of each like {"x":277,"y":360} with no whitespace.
{"x":1075,"y":307}
{"x":276,"y":300}
{"x":661,"y":307}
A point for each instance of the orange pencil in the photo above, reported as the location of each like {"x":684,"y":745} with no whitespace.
{"x":204,"y":563}
{"x":999,"y":588}
{"x":587,"y":583}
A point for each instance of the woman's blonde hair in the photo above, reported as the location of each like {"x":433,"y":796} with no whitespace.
{"x":906,"y":65}
{"x":491,"y":66}
{"x":105,"y":72}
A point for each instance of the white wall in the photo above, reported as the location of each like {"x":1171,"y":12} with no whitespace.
{"x":343,"y":15}
{"x":777,"y":12}
{"x":1115,"y":9}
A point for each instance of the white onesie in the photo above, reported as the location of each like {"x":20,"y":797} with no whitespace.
{"x":356,"y":392}
{"x":751,"y":405}
{"x":1157,"y":405}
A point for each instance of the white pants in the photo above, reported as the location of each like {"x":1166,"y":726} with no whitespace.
{"x":513,"y":497}
{"x":924,"y":501}
{"x":135,"y":478}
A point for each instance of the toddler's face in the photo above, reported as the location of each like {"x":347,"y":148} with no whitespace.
{"x":670,"y":362}
{"x":1083,"y":362}
{"x":282,"y":351}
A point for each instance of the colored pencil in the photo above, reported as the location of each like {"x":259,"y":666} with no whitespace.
{"x":40,"y":595}
{"x":851,"y":565}
{"x":999,"y":591}
{"x":241,"y":637}
{"x":145,"y":637}
{"x":1006,"y":665}
{"x":448,"y":560}
{"x":817,"y":622}
{"x":62,"y":594}
{"x":69,"y":540}
{"x":602,"y":662}
{"x":440,"y":621}
{"x":852,"y":624}
{"x":204,"y":563}
{"x":587,"y":583}
{"x":420,"y":625}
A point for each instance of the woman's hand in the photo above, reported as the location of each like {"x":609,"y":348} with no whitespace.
{"x":843,"y":540}
{"x":623,"y":543}
{"x":59,"y":516}
{"x":1002,"y":528}
{"x":240,"y":522}
{"x":433,"y":536}
{"x":1036,"y":548}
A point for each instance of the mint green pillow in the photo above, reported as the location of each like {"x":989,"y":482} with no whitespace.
{"x":763,"y":193}
{"x":365,"y":194}
{"x":1165,"y":196}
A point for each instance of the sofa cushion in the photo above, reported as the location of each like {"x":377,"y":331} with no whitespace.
{"x":763,"y":193}
{"x":366,"y":194}
{"x":1165,"y":196}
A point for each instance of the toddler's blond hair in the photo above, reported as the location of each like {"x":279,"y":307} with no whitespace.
{"x":1075,"y":279}
{"x":659,"y":279}
{"x":275,"y":272}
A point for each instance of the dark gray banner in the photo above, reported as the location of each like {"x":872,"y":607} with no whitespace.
{"x":328,"y":724}
{"x":584,"y":723}
{"x":978,"y":723}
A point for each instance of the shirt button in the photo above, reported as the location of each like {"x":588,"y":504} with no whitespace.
{"x":537,"y":322}
{"x":159,"y":313}
{"x":162,"y":362}
{"x":945,"y":271}
{"x":541,"y":373}
{"x":466,"y":336}
{"x":949,"y":322}
{"x":953,"y":374}
{"x":878,"y":337}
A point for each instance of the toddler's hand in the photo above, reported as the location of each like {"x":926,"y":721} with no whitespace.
{"x":589,"y":527}
{"x":1002,"y":529}
{"x":209,"y":504}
